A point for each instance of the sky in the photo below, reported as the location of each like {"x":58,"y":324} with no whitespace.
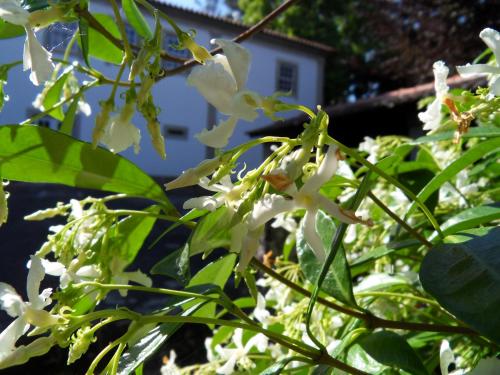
{"x":198,"y":5}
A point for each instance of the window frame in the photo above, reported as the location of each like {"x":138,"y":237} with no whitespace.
{"x":295,"y":80}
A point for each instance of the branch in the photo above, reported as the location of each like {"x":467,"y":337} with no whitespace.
{"x":371,"y":320}
{"x":240,"y":38}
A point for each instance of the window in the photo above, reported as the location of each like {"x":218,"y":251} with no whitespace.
{"x":58,"y":35}
{"x":175,"y":132}
{"x":287,"y":77}
{"x":169,"y":43}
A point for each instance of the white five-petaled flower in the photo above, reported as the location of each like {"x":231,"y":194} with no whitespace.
{"x":222,"y":82}
{"x":432,"y":115}
{"x":260,"y":312}
{"x":69,"y":274}
{"x":308,"y":198}
{"x":492,"y":39}
{"x":228,"y":194}
{"x":120,"y":133}
{"x":26,"y":313}
{"x":239,"y":353}
{"x":35,"y":57}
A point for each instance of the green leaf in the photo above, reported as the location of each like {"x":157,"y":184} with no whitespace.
{"x":277,"y":367}
{"x":359,"y":265}
{"x":476,"y":132}
{"x":53,"y":95}
{"x":99,"y":46}
{"x":211,"y":232}
{"x":392,"y":350}
{"x":69,"y":118}
{"x":130,"y":234}
{"x":138,"y":352}
{"x":37,"y":154}
{"x":215,"y":273}
{"x":470,"y":218}
{"x":136,"y":19}
{"x":83,"y":28}
{"x":175,"y":265}
{"x":338,"y":281}
{"x":8,"y":30}
{"x":469,"y":157}
{"x":32,"y":5}
{"x":416,"y":180}
{"x":465,"y":279}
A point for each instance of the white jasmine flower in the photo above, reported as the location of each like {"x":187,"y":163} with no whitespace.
{"x":239,"y":354}
{"x":447,"y":360}
{"x":35,"y":57}
{"x":222,"y":82}
{"x":169,"y":367}
{"x":492,"y":39}
{"x":308,"y":198}
{"x":120,"y":133}
{"x":192,"y":176}
{"x":286,"y":222}
{"x":229,"y":194}
{"x":26,"y":313}
{"x":67,"y":275}
{"x":432,"y":115}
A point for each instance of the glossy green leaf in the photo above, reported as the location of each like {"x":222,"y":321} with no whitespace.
{"x":32,"y":5}
{"x":338,"y":281}
{"x":99,"y":46}
{"x":416,"y":180}
{"x":53,"y":96}
{"x":138,"y":352}
{"x":8,"y":30}
{"x":37,"y":154}
{"x":476,"y":132}
{"x":175,"y":265}
{"x":216,"y":273}
{"x":469,"y":157}
{"x":392,"y":350}
{"x":136,"y":19}
{"x":83,"y":42}
{"x":470,"y":218}
{"x":69,"y":117}
{"x":211,"y":232}
{"x":465,"y":279}
{"x":130,"y":234}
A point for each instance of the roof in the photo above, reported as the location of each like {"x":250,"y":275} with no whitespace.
{"x":388,"y":99}
{"x":179,"y":11}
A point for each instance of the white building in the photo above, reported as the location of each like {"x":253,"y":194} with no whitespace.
{"x":279,"y":63}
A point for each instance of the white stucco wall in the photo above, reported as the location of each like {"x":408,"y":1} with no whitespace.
{"x":180,"y":104}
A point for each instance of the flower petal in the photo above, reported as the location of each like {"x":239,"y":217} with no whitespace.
{"x":471,"y":70}
{"x":432,"y":115}
{"x":312,"y":237}
{"x":120,"y":135}
{"x":10,"y":335}
{"x":23,"y":353}
{"x":495,"y":85}
{"x":238,"y":58}
{"x":249,"y":248}
{"x":325,"y":171}
{"x":440,"y":76}
{"x":36,"y":58}
{"x":10,"y":301}
{"x":202,"y":203}
{"x":492,"y":39}
{"x":244,"y":105}
{"x":219,"y":135}
{"x":12,"y":11}
{"x":215,"y":82}
{"x":269,"y":206}
{"x":337,"y":212}
{"x":35,"y":277}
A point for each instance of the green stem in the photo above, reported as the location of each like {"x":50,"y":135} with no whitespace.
{"x":354,"y":154}
{"x":121,"y":26}
{"x":400,"y":221}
